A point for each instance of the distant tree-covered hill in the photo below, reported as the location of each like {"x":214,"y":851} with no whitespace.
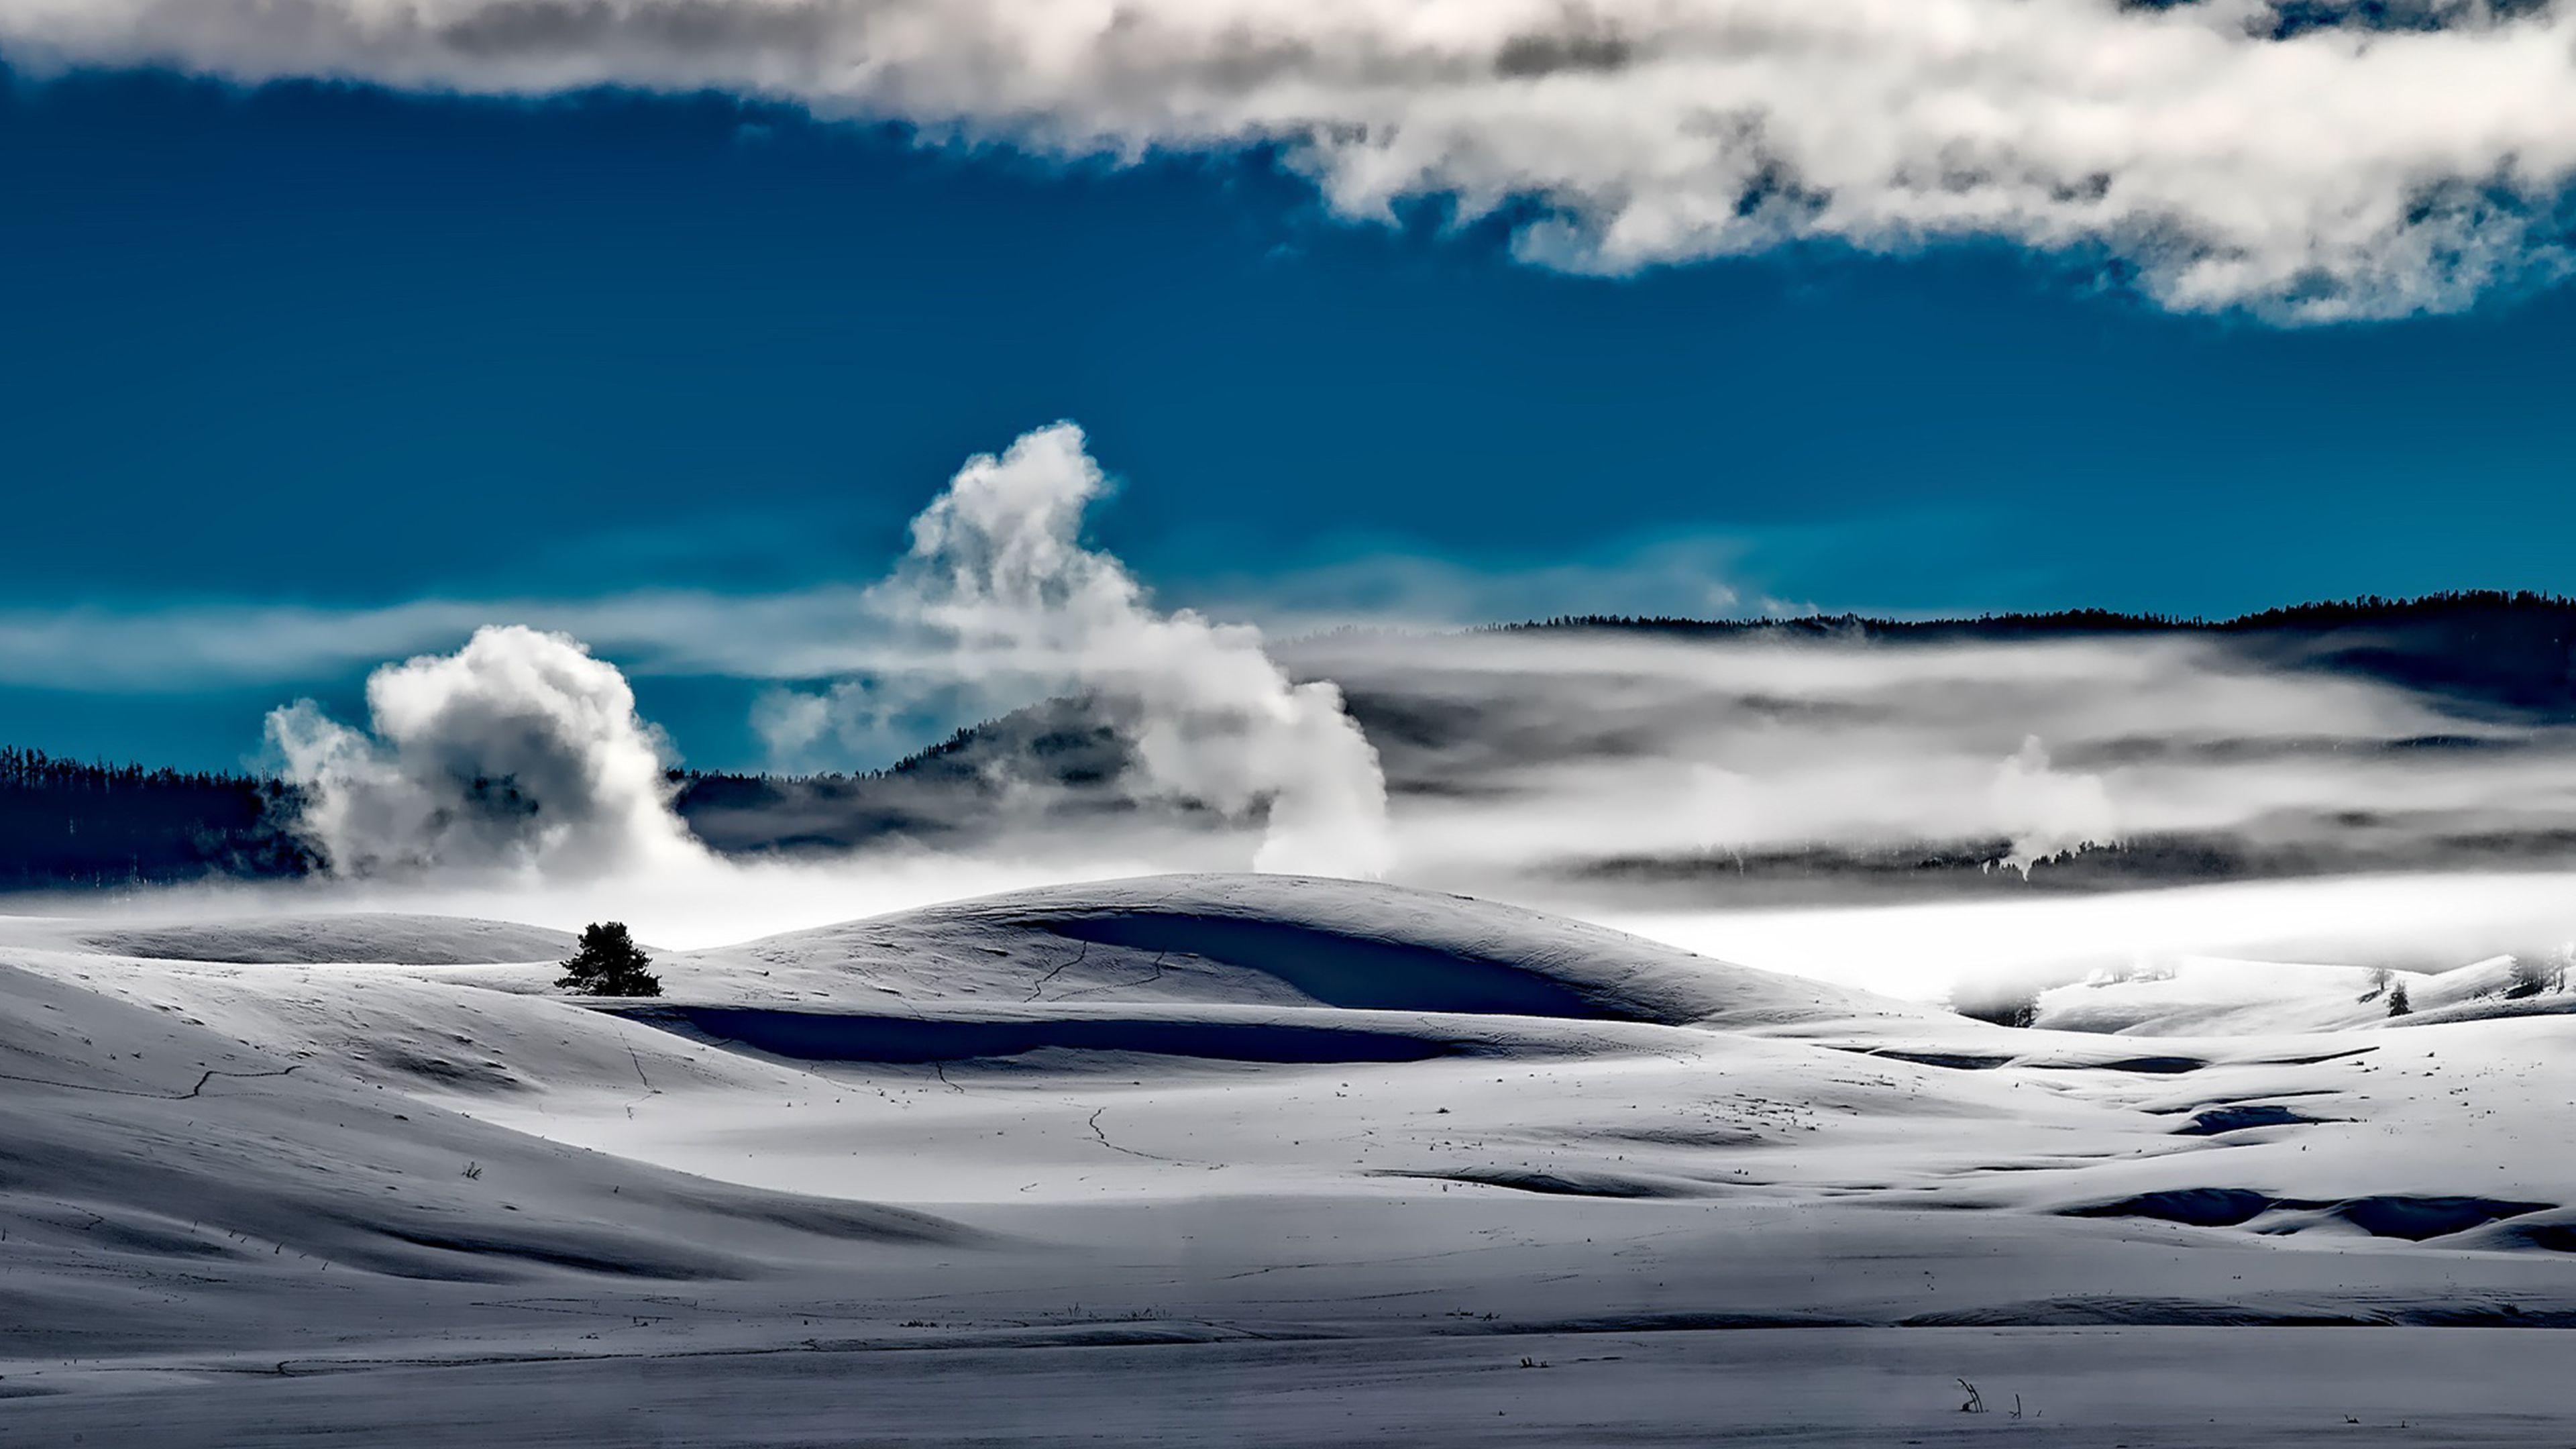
{"x":1068,"y":751}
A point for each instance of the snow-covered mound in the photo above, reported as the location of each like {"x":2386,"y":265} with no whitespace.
{"x":1277,"y":941}
{"x":402,"y":940}
{"x":263,"y":1179}
{"x":140,"y":1135}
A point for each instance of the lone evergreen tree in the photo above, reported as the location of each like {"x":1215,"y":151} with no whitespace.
{"x":609,"y":963}
{"x":2398,"y":1005}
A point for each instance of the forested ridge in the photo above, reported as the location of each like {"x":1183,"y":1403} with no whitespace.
{"x":73,"y":823}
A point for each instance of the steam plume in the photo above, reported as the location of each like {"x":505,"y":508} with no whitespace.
{"x":2050,"y":812}
{"x":1001,"y":601}
{"x":518,"y":751}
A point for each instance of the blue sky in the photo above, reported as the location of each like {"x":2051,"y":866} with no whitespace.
{"x":326,"y":346}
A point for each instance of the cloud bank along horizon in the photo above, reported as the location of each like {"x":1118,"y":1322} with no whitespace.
{"x":523,"y":752}
{"x":2306,"y":162}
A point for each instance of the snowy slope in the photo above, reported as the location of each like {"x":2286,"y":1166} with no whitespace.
{"x":368,"y":1176}
{"x":1269,"y":939}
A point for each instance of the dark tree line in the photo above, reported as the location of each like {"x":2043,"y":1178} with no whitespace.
{"x":70,"y":823}
{"x":2486,"y":647}
{"x":2548,"y":612}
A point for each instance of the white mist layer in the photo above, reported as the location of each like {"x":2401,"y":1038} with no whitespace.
{"x":1922,"y":950}
{"x":1573,"y":750}
{"x":2310,"y":162}
{"x":672,"y":905}
{"x":999,"y":603}
{"x":518,"y":752}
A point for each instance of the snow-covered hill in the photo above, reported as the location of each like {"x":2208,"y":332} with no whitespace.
{"x":1204,"y":1158}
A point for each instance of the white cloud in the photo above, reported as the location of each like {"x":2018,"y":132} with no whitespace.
{"x":805,"y":634}
{"x":2232,"y":159}
{"x":1694,"y":576}
{"x":791,"y":725}
{"x":194,"y":645}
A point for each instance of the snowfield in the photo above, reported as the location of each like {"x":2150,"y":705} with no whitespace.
{"x":1268,"y":1160}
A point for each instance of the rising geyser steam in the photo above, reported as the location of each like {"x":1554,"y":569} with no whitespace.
{"x":518,"y":751}
{"x":523,"y":751}
{"x":999,"y":598}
